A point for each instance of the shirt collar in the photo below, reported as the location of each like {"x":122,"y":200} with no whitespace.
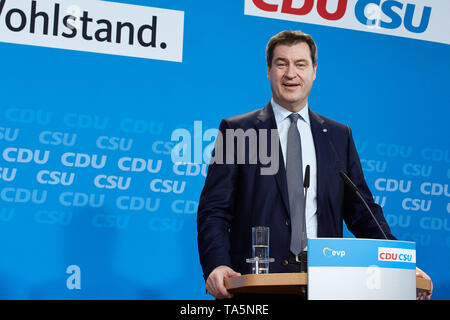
{"x":282,"y":113}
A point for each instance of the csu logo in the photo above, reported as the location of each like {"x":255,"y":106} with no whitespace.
{"x":384,"y":14}
{"x":391,"y":14}
{"x":328,"y":252}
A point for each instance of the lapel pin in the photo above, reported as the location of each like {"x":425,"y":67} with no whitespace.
{"x":324,"y":130}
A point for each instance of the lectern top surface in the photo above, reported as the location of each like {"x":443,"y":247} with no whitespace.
{"x":336,"y":252}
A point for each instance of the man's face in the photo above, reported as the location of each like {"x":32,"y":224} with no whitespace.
{"x":292,"y":75}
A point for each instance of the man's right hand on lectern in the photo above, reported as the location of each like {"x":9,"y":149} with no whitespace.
{"x":215,"y":282}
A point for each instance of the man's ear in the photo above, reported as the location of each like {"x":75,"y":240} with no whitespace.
{"x":315,"y":70}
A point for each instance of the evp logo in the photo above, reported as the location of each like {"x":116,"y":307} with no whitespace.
{"x":405,"y":18}
{"x":396,"y":255}
{"x":328,"y":252}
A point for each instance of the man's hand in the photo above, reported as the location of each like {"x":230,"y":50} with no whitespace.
{"x":423,"y":294}
{"x":215,"y":282}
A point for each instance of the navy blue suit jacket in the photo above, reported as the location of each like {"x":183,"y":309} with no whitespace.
{"x":236,"y":197}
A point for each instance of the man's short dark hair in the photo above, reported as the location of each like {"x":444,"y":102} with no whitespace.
{"x":290,"y":38}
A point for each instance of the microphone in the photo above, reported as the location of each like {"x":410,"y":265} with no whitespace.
{"x":352,"y":186}
{"x":306,"y":182}
{"x":306,"y":185}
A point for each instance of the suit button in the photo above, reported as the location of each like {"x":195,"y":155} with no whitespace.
{"x":288,"y":222}
{"x":285,"y":262}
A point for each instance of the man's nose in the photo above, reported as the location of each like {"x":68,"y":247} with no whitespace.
{"x":291,"y":73}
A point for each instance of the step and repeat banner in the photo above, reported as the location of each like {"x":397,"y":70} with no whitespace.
{"x":98,"y":98}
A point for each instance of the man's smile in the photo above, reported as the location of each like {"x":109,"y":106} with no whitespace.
{"x":291,"y":85}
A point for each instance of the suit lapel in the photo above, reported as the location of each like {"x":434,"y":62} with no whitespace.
{"x":266,"y":120}
{"x":323,"y":156}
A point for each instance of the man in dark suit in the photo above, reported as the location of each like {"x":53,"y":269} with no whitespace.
{"x":238,"y":195}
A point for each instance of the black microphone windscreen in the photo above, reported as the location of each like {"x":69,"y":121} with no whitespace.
{"x":307,"y":178}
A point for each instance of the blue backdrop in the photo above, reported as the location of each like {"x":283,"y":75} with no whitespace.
{"x":85,"y":137}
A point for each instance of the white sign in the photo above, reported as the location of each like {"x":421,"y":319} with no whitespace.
{"x":94,"y":26}
{"x":417,"y":19}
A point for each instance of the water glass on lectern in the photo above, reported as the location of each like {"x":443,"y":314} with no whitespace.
{"x":260,"y":250}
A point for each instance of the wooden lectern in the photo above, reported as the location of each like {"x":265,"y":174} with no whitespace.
{"x":283,"y":283}
{"x":344,"y":269}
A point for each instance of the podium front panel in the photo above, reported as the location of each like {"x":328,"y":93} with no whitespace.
{"x":355,"y":269}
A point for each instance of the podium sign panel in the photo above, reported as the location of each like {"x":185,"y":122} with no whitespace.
{"x":361,"y":269}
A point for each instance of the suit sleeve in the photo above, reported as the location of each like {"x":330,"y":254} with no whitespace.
{"x":357,"y":218}
{"x":215,"y":209}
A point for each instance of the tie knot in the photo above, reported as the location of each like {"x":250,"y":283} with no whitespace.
{"x":294,"y":117}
